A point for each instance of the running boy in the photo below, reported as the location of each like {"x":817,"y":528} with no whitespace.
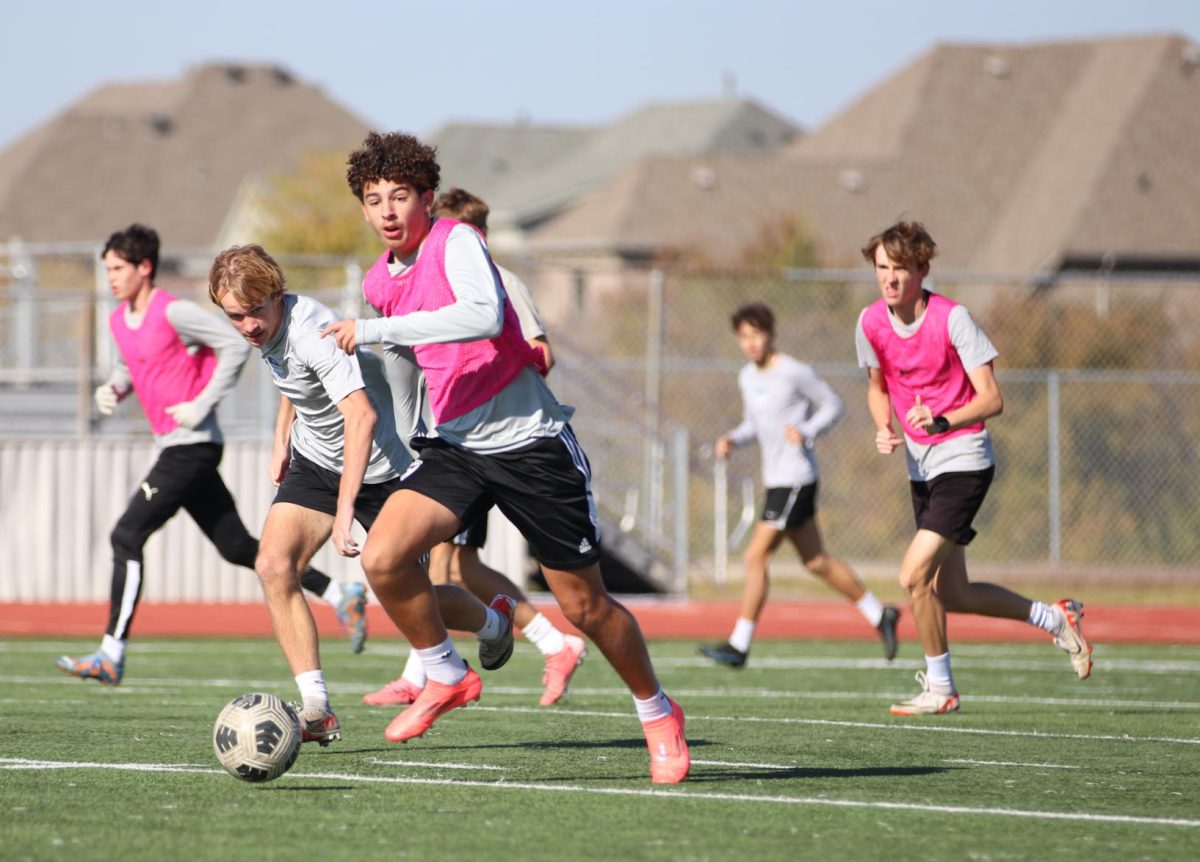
{"x":181,"y":362}
{"x":929,"y":361}
{"x":336,"y":459}
{"x":502,"y":438}
{"x":457,"y":561}
{"x":786,"y":406}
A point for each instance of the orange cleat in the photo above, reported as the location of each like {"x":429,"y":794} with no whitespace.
{"x":435,"y":700}
{"x":669,"y":757}
{"x":560,"y":666}
{"x":398,"y":692}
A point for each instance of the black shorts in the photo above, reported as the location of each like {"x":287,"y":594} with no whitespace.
{"x":311,"y":486}
{"x":475,"y":534}
{"x":947,"y":504}
{"x":544,"y":488}
{"x":788,"y":508}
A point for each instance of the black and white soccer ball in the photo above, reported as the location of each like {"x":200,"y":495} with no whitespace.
{"x":257,"y":737}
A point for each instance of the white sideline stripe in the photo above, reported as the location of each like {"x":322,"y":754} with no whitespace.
{"x":747,"y":765}
{"x":824,"y":722}
{"x":379,"y":762}
{"x":161,"y":686}
{"x":1008,"y":763}
{"x":1015,"y":663}
{"x":21,"y":763}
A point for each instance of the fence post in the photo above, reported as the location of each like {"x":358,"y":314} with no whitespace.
{"x":352,"y":290}
{"x":24,"y":320}
{"x":682,"y":506}
{"x":655,"y":332}
{"x":720,"y":521}
{"x":1054,"y":465}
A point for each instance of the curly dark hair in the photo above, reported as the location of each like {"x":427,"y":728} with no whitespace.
{"x":397,"y":157}
{"x":133,"y":245}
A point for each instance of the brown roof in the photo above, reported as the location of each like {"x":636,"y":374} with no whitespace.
{"x":1017,"y":158}
{"x":169,"y":154}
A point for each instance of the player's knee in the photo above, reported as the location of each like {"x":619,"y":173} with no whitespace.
{"x":583,"y":609}
{"x":818,"y":564}
{"x":125,"y":541}
{"x":912,"y":582}
{"x":385,"y":564}
{"x":240,"y":553}
{"x":274,"y":571}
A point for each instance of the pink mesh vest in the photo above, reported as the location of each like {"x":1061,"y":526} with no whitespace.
{"x":925,"y":364}
{"x":460,"y":376}
{"x":163,"y":371}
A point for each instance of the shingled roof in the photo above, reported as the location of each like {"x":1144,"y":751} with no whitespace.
{"x":1019,"y":158}
{"x":528,"y":173}
{"x":171,"y":154}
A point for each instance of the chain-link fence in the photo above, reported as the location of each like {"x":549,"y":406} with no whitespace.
{"x":1097,"y":446}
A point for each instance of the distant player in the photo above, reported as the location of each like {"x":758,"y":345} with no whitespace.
{"x":457,"y":561}
{"x":502,"y":439}
{"x":929,"y":362}
{"x":786,"y":407}
{"x":180,"y":362}
{"x":336,"y":459}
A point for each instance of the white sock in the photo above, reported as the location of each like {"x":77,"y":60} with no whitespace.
{"x":414,"y":670}
{"x":871,"y":608}
{"x":113,"y":648}
{"x":442,"y":663}
{"x":333,"y":593}
{"x":656,"y":706}
{"x":937,"y":670}
{"x":493,"y":624}
{"x":542,"y":634}
{"x":743,"y":633}
{"x":312,"y":689}
{"x":1048,"y":618}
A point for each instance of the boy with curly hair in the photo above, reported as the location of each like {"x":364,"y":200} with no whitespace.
{"x":502,"y":439}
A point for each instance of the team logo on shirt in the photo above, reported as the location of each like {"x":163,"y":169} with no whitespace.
{"x":279,"y":369}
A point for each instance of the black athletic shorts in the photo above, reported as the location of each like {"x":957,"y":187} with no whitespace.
{"x":313,"y":487}
{"x":475,"y":534}
{"x":787,"y":508}
{"x":544,"y":488}
{"x":947,"y":504}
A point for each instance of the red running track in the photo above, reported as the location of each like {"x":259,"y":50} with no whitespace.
{"x":659,"y":618}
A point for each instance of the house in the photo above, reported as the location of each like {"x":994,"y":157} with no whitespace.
{"x":1021,"y":159}
{"x":173,"y":154}
{"x":530,"y":174}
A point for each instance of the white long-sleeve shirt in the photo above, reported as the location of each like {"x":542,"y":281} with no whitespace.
{"x":786,"y":392}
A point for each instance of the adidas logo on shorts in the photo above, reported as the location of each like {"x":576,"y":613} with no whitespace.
{"x":584,"y":546}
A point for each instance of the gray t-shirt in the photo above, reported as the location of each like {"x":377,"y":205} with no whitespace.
{"x":965,"y":452}
{"x":526,"y":409}
{"x":315,"y":375}
{"x":786,"y":392}
{"x":197,"y":329}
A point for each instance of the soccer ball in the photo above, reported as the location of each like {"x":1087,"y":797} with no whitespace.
{"x":256,"y":737}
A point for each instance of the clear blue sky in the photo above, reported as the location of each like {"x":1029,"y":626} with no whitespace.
{"x":413,"y":66}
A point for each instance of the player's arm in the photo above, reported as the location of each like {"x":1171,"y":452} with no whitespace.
{"x":358,"y":417}
{"x":532,"y":327}
{"x":828,"y":406}
{"x":281,"y":450}
{"x":198,"y":328}
{"x":879,"y":405}
{"x":115,"y":388}
{"x":477,"y":312}
{"x":977,"y":353}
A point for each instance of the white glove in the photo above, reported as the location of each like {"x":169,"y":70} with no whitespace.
{"x":187,"y":414}
{"x":106,"y":399}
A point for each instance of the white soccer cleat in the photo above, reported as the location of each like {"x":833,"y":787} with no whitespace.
{"x":1071,"y":639}
{"x":928,"y":702}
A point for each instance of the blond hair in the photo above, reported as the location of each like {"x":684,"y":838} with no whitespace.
{"x":248,"y":273}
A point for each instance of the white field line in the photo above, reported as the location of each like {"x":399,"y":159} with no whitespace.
{"x":434,"y":765}
{"x":144,"y":685}
{"x":1008,"y":763}
{"x":652,"y":793}
{"x":820,"y":722}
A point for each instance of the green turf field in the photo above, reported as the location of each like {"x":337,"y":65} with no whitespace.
{"x":794,"y":757}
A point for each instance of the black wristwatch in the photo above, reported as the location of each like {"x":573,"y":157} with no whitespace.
{"x":941,"y":423}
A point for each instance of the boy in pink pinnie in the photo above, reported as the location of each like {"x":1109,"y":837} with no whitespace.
{"x":929,"y":361}
{"x":502,"y":439}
